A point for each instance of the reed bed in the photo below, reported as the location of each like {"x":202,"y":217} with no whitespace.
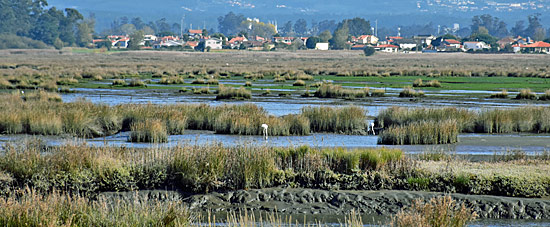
{"x":423,"y":132}
{"x":337,"y":91}
{"x":349,"y":119}
{"x":526,"y":94}
{"x":431,"y":83}
{"x":500,"y":95}
{"x":233,"y":93}
{"x":148,"y":131}
{"x":29,"y":207}
{"x":439,"y":211}
{"x":498,"y":120}
{"x":409,"y":92}
{"x":27,"y":114}
{"x":545,"y":96}
{"x":172,"y":80}
{"x":442,"y":125}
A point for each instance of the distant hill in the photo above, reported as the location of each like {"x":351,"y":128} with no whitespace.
{"x":204,"y":13}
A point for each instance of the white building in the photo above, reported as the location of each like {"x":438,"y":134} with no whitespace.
{"x":476,"y":45}
{"x":213,"y":43}
{"x":321,"y":46}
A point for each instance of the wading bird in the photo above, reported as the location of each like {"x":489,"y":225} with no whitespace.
{"x":264,"y":126}
{"x":372,"y":128}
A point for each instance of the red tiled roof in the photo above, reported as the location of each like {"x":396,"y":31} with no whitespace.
{"x":358,"y":46}
{"x":387,"y":46}
{"x":192,"y":43}
{"x":237,"y":39}
{"x":539,"y":44}
{"x":396,"y":37}
{"x":452,"y":41}
{"x":196,"y":31}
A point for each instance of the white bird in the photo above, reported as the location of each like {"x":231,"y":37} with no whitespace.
{"x":264,"y":126}
{"x":372,"y":128}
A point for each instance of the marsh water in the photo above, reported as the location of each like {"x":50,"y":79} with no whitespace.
{"x":482,"y":145}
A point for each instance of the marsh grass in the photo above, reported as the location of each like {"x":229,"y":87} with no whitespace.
{"x":545,"y":96}
{"x":497,"y":120}
{"x":423,"y":132}
{"x":153,"y":131}
{"x":378,"y":93}
{"x":29,"y":207}
{"x":172,"y":80}
{"x":409,"y":92}
{"x":233,"y":93}
{"x":299,"y":83}
{"x":432,"y":83}
{"x":137,"y":83}
{"x":348,"y":120}
{"x":337,"y":91}
{"x":526,"y":94}
{"x":119,"y":82}
{"x":500,"y":95}
{"x":439,"y":211}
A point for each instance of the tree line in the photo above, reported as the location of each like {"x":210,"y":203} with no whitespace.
{"x":29,"y":23}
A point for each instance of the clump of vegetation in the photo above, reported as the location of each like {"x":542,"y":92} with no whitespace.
{"x":119,"y":82}
{"x":171,"y":80}
{"x":279,"y":79}
{"x":439,"y":211}
{"x":526,"y":94}
{"x":29,"y":207}
{"x":350,"y":120}
{"x":299,"y":83}
{"x":225,"y":92}
{"x":378,"y":93}
{"x":137,"y":83}
{"x":148,"y":131}
{"x":432,"y":83}
{"x":545,"y":96}
{"x":202,"y":90}
{"x":410,"y":92}
{"x":303,"y":76}
{"x":337,"y":91}
{"x":212,"y":81}
{"x":198,"y":81}
{"x":248,"y":84}
{"x":500,"y":95}
{"x":423,"y":132}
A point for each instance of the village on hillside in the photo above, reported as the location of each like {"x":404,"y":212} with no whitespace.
{"x":199,"y":40}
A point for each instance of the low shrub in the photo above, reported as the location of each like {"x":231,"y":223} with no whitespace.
{"x":545,"y":96}
{"x":500,"y":95}
{"x":233,"y":93}
{"x":423,"y":132}
{"x":148,"y":131}
{"x":526,"y":94}
{"x":439,"y":211}
{"x":337,"y":91}
{"x":409,"y":93}
{"x":137,"y":83}
{"x":119,"y":82}
{"x":299,"y":83}
{"x":171,"y":80}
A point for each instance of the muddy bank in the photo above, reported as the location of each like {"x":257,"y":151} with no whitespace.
{"x":322,"y":202}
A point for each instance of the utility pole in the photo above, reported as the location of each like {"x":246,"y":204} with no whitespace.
{"x":181,"y":26}
{"x":376,"y":31}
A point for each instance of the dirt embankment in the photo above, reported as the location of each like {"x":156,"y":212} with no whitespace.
{"x":312,"y":201}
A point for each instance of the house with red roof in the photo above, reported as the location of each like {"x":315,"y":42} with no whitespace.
{"x":366,"y":39}
{"x":387,"y":48}
{"x":237,"y":41}
{"x":195,"y":33}
{"x":537,"y":47}
{"x":285,"y":40}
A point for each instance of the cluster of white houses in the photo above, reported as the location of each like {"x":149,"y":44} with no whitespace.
{"x":392,"y":44}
